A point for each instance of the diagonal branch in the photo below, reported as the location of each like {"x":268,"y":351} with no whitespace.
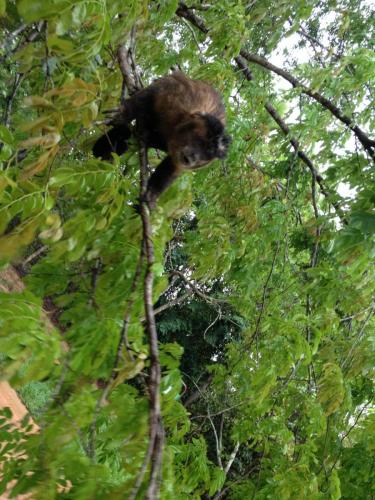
{"x":10,"y":97}
{"x":367,"y":143}
{"x":185,"y":12}
{"x":195,"y":289}
{"x":241,"y":63}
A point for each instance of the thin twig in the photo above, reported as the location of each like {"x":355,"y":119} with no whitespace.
{"x":196,"y":290}
{"x":199,"y":392}
{"x":218,"y":449}
{"x":358,"y":336}
{"x":10,"y":97}
{"x":122,"y":341}
{"x":264,"y":295}
{"x":346,"y":434}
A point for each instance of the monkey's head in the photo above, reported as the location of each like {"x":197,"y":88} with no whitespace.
{"x":198,"y":140}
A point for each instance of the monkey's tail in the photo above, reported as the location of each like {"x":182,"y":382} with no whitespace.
{"x":113,"y":141}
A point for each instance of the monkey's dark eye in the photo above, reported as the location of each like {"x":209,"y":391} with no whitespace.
{"x":185,"y":159}
{"x":222,"y":143}
{"x":226,"y":139}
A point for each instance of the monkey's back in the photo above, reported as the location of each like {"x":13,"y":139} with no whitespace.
{"x":177,"y":94}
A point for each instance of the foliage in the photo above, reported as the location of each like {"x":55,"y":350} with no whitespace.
{"x":263,"y":264}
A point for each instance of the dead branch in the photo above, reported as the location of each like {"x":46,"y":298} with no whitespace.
{"x":198,"y":393}
{"x":196,"y":290}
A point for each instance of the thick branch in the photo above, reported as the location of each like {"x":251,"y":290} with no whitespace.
{"x":154,"y":452}
{"x":156,"y":432}
{"x":184,"y":12}
{"x":125,"y":56}
{"x":367,"y":143}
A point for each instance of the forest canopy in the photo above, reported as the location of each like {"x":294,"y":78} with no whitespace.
{"x":256,"y":378}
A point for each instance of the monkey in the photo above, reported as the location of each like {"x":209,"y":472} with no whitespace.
{"x":178,"y":115}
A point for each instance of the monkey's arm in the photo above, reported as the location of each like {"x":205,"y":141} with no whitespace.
{"x":114,"y":141}
{"x":163,"y":177}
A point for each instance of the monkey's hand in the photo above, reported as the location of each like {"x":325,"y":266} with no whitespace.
{"x":163,"y":176}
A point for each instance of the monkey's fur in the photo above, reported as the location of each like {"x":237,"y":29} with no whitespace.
{"x":184,"y":117}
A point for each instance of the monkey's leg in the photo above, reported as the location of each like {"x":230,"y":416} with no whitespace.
{"x":114,"y":141}
{"x":163,"y":177}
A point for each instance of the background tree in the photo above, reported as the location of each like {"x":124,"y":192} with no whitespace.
{"x":263,"y":270}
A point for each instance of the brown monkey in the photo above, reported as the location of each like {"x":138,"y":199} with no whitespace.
{"x":176,"y":114}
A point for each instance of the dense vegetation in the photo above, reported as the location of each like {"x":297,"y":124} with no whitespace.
{"x":264,"y":263}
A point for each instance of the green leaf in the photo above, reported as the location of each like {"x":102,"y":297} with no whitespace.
{"x":41,"y":9}
{"x":331,"y":388}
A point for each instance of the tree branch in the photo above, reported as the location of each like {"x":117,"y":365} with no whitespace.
{"x":132,"y":82}
{"x":156,"y":431}
{"x":30,"y":37}
{"x":198,"y":393}
{"x":122,"y":341}
{"x":125,"y":56}
{"x":10,"y":97}
{"x":184,"y":12}
{"x":231,"y":459}
{"x":195,"y":289}
{"x":264,"y":296}
{"x":172,"y":303}
{"x":367,"y":143}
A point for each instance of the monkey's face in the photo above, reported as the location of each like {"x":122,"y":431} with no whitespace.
{"x":197,"y":141}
